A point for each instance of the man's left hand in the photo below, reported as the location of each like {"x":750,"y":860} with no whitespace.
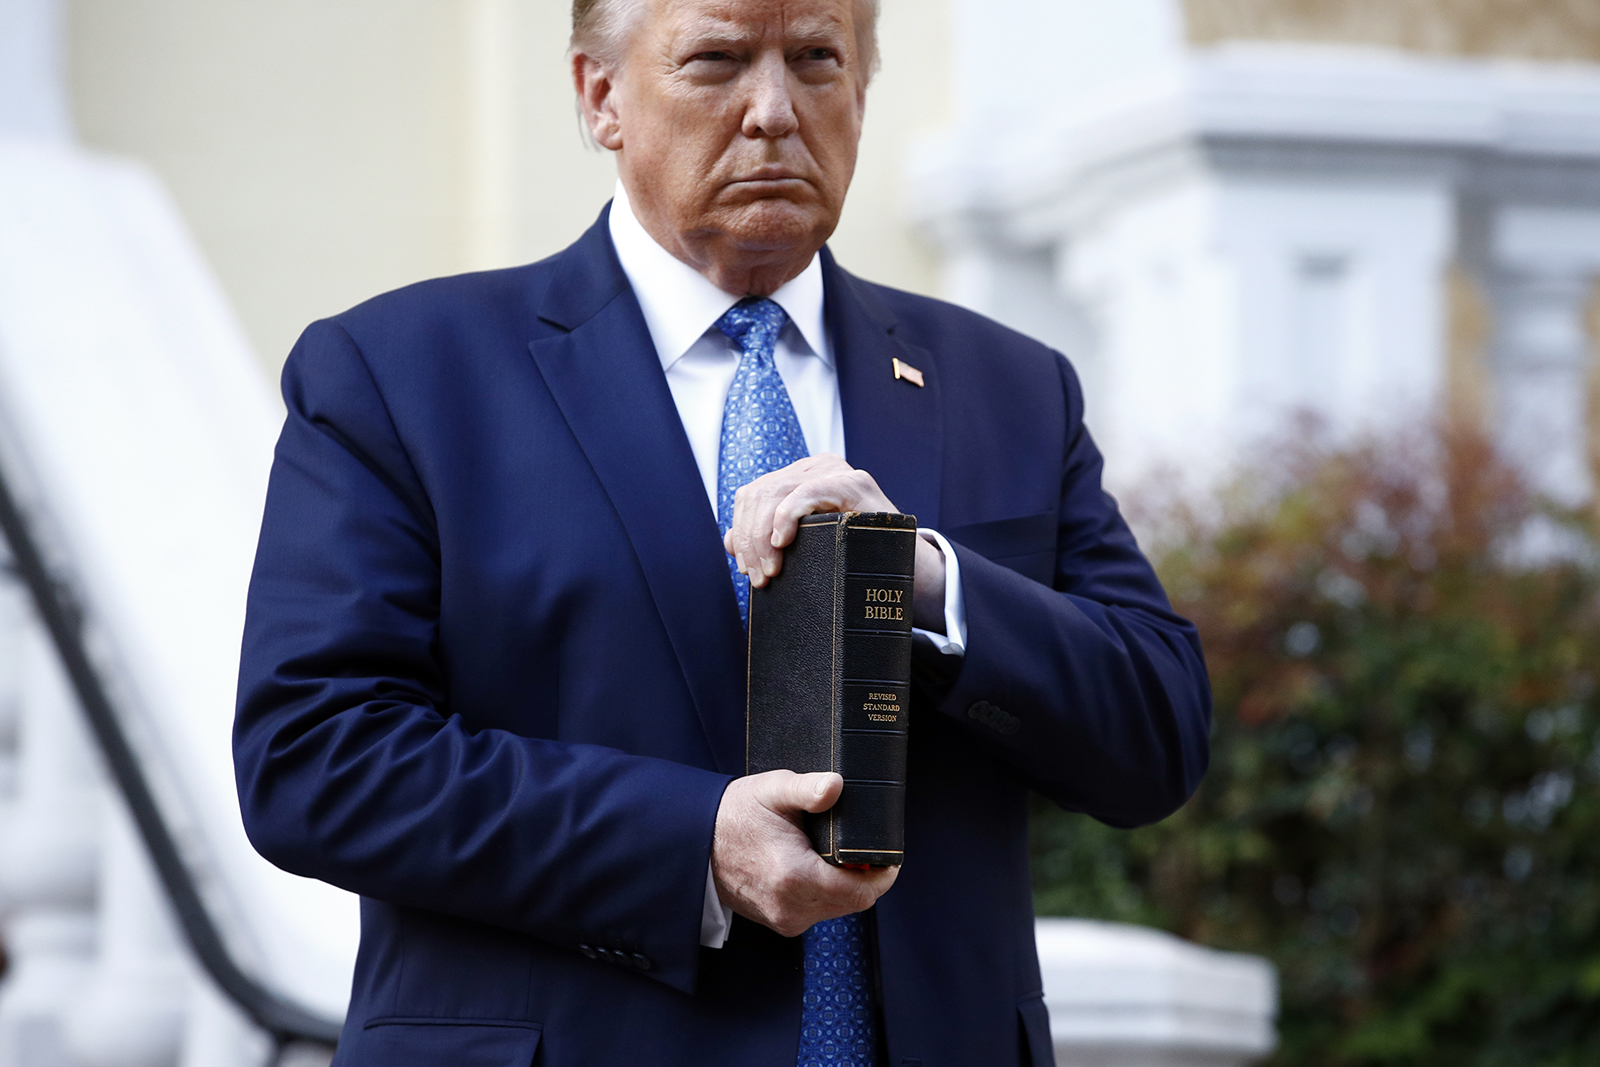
{"x":767,"y":513}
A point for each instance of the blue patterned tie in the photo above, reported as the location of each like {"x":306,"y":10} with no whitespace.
{"x":759,"y":434}
{"x":759,"y":430}
{"x":837,"y":1027}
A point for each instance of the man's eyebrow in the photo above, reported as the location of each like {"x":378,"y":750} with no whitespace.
{"x":710,"y":32}
{"x":818,"y":29}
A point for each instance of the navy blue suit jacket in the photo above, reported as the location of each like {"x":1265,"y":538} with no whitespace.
{"x":493,"y":674}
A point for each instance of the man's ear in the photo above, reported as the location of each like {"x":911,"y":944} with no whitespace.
{"x":596,"y":87}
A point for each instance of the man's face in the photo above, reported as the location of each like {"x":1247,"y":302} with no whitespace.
{"x":736,"y":124}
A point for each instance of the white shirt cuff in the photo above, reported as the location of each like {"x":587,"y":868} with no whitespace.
{"x":953,"y":642}
{"x":716,"y":918}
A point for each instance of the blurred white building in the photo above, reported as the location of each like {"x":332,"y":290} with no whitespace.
{"x":1220,"y":231}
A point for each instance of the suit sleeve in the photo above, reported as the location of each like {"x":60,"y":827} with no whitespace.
{"x":1093,"y":688}
{"x":351,"y":767}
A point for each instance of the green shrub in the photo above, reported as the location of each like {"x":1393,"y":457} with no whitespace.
{"x":1402,"y":809}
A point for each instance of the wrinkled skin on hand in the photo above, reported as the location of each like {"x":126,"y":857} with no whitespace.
{"x":767,"y":514}
{"x":763,"y":863}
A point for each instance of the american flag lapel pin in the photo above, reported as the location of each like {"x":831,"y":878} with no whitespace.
{"x":906,"y":372}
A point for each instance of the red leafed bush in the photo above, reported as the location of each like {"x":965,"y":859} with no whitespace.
{"x":1403,"y":806}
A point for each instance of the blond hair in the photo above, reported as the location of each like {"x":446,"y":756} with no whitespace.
{"x":600,"y":28}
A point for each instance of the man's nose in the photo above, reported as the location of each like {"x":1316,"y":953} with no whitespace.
{"x":770,"y":111}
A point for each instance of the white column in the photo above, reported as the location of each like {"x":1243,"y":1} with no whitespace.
{"x":33,"y":99}
{"x":217,"y":1033}
{"x":11,"y":617}
{"x":1541,"y":369}
{"x":131,"y":1014}
{"x":12,"y":614}
{"x":492,"y":60}
{"x":48,"y":822}
{"x":1544,"y":264}
{"x":47,"y":872}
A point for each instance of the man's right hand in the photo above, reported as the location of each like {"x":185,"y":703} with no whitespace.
{"x":764,"y":865}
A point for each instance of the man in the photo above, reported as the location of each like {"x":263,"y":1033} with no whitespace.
{"x":493,"y":667}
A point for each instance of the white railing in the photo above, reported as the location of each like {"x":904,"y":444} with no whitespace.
{"x":138,"y":429}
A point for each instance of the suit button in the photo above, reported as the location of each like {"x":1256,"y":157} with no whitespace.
{"x":642,"y":961}
{"x":995,"y":719}
{"x":590,"y":951}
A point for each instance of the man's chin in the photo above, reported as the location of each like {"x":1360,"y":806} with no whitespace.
{"x":777,"y":225}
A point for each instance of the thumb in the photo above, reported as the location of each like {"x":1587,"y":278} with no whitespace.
{"x":804,"y":792}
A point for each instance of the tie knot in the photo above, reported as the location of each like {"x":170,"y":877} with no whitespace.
{"x":753,"y":324}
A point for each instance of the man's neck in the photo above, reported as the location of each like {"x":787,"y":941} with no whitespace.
{"x":737,"y":271}
{"x":679,"y":303}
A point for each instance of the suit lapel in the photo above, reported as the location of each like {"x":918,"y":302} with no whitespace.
{"x":892,"y":429}
{"x":607,"y":380}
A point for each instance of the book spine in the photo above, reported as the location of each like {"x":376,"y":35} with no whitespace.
{"x":874,"y":695}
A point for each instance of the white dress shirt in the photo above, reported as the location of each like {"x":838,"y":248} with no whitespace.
{"x":681,"y":308}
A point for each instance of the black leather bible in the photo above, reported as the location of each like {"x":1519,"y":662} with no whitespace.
{"x":830,"y":676}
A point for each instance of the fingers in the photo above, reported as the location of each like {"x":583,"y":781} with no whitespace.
{"x":760,"y":502}
{"x":767,"y":511}
{"x":786,"y":792}
{"x":810,"y":892}
{"x":822,"y":891}
{"x":764,"y":866}
{"x":848,"y":490}
{"x":755,"y":506}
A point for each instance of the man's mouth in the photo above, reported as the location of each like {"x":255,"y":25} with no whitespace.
{"x":763,"y":185}
{"x":767,"y":175}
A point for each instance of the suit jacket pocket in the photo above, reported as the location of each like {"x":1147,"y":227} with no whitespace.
{"x":400,"y":1041}
{"x":1026,"y":544}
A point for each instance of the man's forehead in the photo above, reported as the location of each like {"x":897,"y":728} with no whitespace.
{"x":745,"y":18}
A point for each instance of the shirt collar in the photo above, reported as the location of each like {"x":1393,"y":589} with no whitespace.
{"x":680,"y":304}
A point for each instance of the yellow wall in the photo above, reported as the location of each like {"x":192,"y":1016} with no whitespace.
{"x":1529,"y":29}
{"x":327,"y":150}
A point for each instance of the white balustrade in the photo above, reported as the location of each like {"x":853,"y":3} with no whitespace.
{"x":132,"y":1011}
{"x":1127,"y":996}
{"x":49,"y":867}
{"x":217,"y":1033}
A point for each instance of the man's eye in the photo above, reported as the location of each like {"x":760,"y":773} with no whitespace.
{"x":818,"y":55}
{"x":711,"y":57}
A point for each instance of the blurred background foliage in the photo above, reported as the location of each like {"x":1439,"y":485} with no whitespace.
{"x":1401,"y":810}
